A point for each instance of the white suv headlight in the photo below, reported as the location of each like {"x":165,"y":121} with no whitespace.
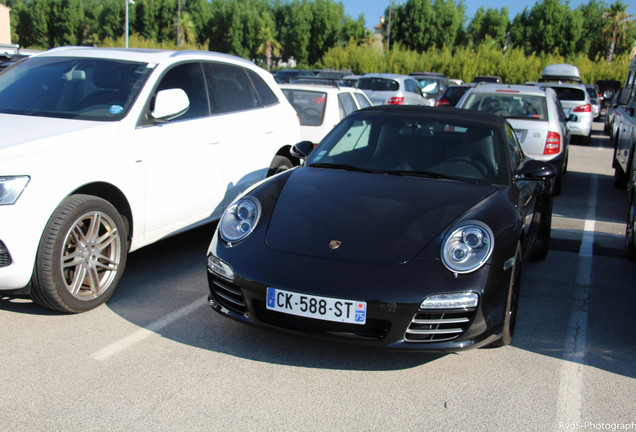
{"x":239,"y":220}
{"x":11,"y":188}
{"x":468,"y":247}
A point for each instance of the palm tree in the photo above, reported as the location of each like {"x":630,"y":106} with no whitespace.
{"x":269,"y":46}
{"x":617,"y":24}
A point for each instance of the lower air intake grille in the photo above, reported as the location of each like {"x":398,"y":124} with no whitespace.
{"x":438,"y":326}
{"x":228,"y":295}
{"x":5,"y":258}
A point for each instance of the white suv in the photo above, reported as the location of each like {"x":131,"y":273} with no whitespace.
{"x":105,"y":151}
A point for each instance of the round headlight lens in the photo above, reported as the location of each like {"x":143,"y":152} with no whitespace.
{"x":468,"y":247}
{"x":239,"y":220}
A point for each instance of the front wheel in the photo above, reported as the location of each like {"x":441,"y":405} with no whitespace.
{"x":512,"y":305}
{"x":630,"y":237}
{"x":542,"y":245}
{"x":279,"y":164}
{"x":81,"y":257}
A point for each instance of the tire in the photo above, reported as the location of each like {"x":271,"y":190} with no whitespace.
{"x":542,"y":244}
{"x":620,"y":178}
{"x":587,"y":139}
{"x":279,"y":164}
{"x":512,"y":305}
{"x":630,"y":236}
{"x":81,"y":257}
{"x":558,"y":185}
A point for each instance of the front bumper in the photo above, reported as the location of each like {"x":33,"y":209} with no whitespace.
{"x":20,"y":233}
{"x":582,"y":127}
{"x":393,"y":295}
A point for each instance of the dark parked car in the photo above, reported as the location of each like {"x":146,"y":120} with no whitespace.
{"x":407,"y":228}
{"x":452,"y":95}
{"x":433,"y":84}
{"x":286,"y":75}
{"x":488,"y":78}
{"x":630,"y":231}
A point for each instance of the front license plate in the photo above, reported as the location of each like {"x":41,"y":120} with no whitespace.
{"x":323,"y":308}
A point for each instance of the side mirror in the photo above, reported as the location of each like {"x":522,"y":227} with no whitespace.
{"x":536,"y":170}
{"x":623,"y":96}
{"x":302,"y":149}
{"x":169,"y":104}
{"x":573,"y":118}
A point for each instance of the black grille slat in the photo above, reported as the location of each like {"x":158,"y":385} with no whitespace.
{"x":229,"y":296}
{"x":5,"y":258}
{"x":438,"y":326}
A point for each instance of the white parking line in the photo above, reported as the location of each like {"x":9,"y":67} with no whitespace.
{"x":143,"y":333}
{"x":571,"y":384}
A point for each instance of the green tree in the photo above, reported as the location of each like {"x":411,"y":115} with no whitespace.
{"x":593,"y":43}
{"x":327,"y":18}
{"x":420,"y":24}
{"x":296,"y":30}
{"x":617,"y":26}
{"x":550,"y":26}
{"x":145,"y":22}
{"x":268,"y":45}
{"x":491,"y":23}
{"x":66,"y":23}
{"x":111,"y":19}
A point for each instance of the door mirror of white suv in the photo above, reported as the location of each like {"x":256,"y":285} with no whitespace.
{"x":170,"y":104}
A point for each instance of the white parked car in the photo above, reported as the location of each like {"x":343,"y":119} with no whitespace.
{"x":105,"y":151}
{"x":393,"y":89}
{"x":536,"y":115}
{"x":321,"y":107}
{"x":565,"y":80}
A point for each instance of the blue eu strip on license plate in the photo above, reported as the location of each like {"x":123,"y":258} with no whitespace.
{"x":322,"y":308}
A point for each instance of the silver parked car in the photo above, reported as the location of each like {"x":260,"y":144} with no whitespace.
{"x":536,"y":115}
{"x":393,"y":89}
{"x":566,"y":81}
{"x":577,"y":107}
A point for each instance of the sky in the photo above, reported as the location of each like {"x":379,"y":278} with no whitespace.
{"x":374,"y":9}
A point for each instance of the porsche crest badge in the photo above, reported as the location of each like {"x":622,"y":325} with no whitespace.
{"x":334,"y":244}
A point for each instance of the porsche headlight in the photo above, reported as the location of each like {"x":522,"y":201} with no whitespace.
{"x":11,"y":188}
{"x":468,"y":247}
{"x":239,"y":220}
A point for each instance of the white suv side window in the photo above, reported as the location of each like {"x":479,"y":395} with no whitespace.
{"x":189,"y":78}
{"x":229,"y":88}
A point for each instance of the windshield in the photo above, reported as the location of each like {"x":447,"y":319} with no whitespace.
{"x":73,"y":88}
{"x":378,"y":84}
{"x":428,"y":85}
{"x":414,"y":144}
{"x":569,"y":93}
{"x":309,"y":105}
{"x":509,"y":105}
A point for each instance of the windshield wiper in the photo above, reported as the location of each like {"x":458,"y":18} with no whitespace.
{"x":341,"y":166}
{"x":427,"y":174}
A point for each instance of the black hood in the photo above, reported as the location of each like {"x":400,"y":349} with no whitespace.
{"x":377,"y":218}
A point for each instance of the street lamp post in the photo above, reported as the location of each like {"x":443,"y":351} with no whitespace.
{"x":127,"y":3}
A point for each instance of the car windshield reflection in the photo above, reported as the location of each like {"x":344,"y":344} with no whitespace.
{"x":73,"y":88}
{"x":436,"y":148}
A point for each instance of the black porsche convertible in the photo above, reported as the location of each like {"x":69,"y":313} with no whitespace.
{"x":406,"y":228}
